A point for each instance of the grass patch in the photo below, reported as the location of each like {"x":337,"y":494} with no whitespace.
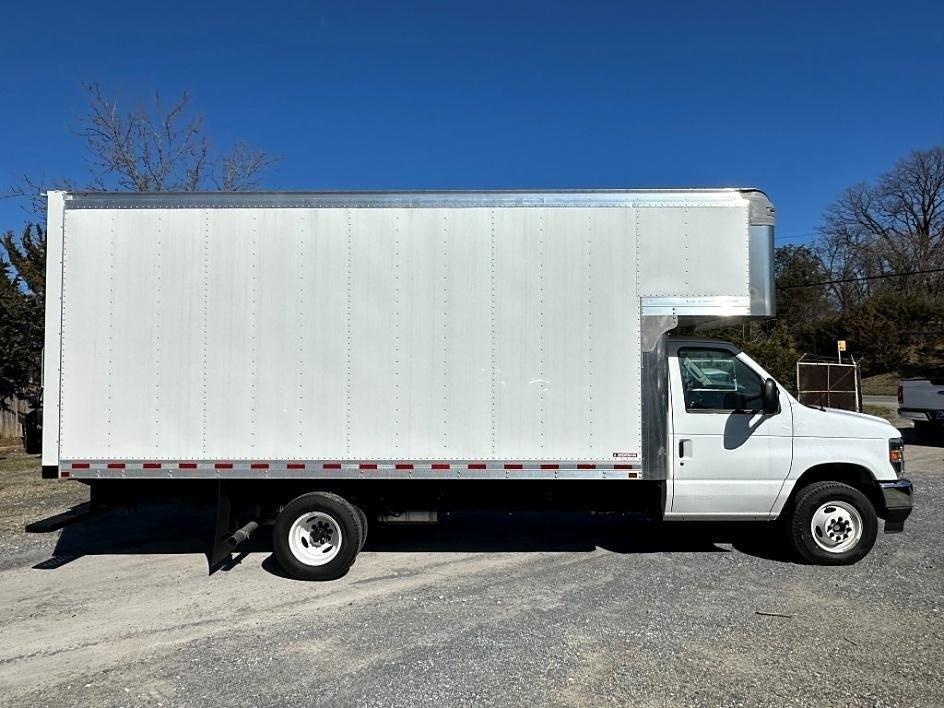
{"x":889,"y":414}
{"x":881,"y":385}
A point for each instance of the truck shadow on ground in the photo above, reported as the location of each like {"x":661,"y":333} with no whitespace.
{"x":172,"y":529}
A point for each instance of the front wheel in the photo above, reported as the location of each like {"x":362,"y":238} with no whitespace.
{"x":317,"y":536}
{"x":832,"y":524}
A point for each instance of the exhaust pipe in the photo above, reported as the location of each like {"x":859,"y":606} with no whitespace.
{"x":242,"y":534}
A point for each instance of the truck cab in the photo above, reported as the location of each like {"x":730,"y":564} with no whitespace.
{"x":743,"y":448}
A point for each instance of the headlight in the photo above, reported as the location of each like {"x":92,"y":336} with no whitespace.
{"x":896,"y":455}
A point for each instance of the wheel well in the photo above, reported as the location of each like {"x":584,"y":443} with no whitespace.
{"x":853,"y":475}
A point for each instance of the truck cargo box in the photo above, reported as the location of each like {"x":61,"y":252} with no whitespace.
{"x":443,"y":335}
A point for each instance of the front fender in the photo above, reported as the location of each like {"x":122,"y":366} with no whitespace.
{"x":861,"y":459}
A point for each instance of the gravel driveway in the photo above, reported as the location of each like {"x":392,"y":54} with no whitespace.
{"x":486,"y":609}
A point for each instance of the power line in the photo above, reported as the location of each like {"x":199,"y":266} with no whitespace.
{"x":795,"y":235}
{"x":903,"y":334}
{"x":862,"y":277}
{"x":794,"y":238}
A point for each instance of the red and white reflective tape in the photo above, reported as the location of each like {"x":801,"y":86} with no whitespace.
{"x":326,"y":469}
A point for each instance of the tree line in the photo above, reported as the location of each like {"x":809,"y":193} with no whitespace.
{"x":873,"y":277}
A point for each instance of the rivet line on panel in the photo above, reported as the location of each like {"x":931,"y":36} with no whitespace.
{"x":639,"y":370}
{"x":492,"y":295}
{"x":62,"y":321}
{"x":396,"y":332}
{"x":206,"y":320}
{"x":445,"y":332}
{"x":253,"y":327}
{"x":157,"y":334}
{"x":350,"y":256}
{"x":109,"y":368}
{"x":541,"y":343}
{"x":301,"y":332}
{"x":590,"y":328}
{"x":747,"y":251}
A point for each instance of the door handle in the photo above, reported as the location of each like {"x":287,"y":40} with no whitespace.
{"x":685,"y":448}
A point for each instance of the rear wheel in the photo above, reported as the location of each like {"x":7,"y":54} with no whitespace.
{"x":832,"y":524}
{"x":317,"y":536}
{"x":362,"y":516}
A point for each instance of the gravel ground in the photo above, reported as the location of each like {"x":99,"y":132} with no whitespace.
{"x":486,"y":609}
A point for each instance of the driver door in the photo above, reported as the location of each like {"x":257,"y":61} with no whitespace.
{"x":729,"y":458}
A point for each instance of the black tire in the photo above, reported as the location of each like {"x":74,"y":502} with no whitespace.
{"x":347,"y":521}
{"x":362,"y":516}
{"x":819,"y":494}
{"x":33,"y":432}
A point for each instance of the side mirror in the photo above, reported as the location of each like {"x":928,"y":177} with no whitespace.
{"x":771,"y":398}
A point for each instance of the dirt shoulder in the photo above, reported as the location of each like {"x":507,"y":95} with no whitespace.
{"x":26,"y":497}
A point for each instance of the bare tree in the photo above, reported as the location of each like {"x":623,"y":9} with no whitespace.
{"x":31,"y":192}
{"x":162,"y":148}
{"x":150,"y":149}
{"x":154,"y":149}
{"x":894,"y":226}
{"x":239,"y":169}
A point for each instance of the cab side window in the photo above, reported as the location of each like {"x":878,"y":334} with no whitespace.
{"x":716,"y":380}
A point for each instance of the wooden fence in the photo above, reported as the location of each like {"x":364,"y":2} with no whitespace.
{"x":10,"y":411}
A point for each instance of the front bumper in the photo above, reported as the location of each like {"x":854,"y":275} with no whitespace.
{"x":896,"y":498}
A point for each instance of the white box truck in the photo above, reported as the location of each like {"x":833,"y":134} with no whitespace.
{"x":322,"y":360}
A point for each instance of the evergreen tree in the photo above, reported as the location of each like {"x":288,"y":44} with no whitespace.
{"x":22,"y":298}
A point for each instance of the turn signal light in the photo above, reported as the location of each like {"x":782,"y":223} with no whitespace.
{"x":896,"y":454}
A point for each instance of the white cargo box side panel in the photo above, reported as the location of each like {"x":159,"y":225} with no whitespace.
{"x":300,"y":354}
{"x":371,"y":332}
{"x":135,"y":333}
{"x":443,"y":382}
{"x":229,"y":354}
{"x":466,"y":307}
{"x":697,"y":250}
{"x":328,"y":333}
{"x":108,"y":372}
{"x":589,"y":333}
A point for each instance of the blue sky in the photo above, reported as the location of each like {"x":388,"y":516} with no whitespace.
{"x":801,"y":99}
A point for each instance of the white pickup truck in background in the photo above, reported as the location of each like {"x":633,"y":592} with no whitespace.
{"x":922,"y":400}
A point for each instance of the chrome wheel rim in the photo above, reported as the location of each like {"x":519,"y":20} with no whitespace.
{"x":315,"y":538}
{"x":836,"y":527}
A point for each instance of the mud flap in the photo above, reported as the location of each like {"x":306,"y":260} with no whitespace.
{"x":221,"y":551}
{"x":894,"y":526}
